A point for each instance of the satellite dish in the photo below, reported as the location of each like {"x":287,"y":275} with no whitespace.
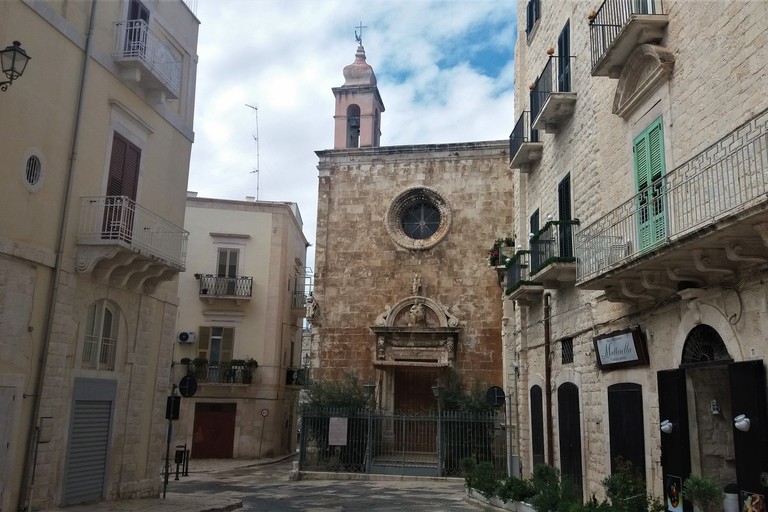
{"x":495,"y":396}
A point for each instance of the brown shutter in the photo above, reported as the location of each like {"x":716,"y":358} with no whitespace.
{"x":204,"y":342}
{"x":123,"y":168}
{"x":227,"y":343}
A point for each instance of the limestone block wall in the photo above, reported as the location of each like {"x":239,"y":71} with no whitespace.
{"x":360,"y":270}
{"x":717,"y":83}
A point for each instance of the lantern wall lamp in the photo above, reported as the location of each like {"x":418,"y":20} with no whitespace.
{"x":13,"y":59}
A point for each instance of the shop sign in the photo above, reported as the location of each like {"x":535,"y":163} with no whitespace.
{"x":620,"y":349}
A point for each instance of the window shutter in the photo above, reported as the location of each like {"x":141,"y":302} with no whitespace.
{"x":564,"y":208}
{"x":227,"y":343}
{"x":204,"y":342}
{"x":116,"y":164}
{"x":649,"y":164}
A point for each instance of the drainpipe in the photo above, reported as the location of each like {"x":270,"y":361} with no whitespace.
{"x":30,"y":459}
{"x":548,"y":378}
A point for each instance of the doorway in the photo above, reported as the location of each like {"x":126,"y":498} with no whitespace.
{"x":213,"y":431}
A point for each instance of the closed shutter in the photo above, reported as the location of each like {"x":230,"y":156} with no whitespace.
{"x":648,"y":149}
{"x":537,"y":426}
{"x":751,"y":447}
{"x":569,"y":424}
{"x":563,"y":59}
{"x":564,"y":207}
{"x":675,"y":445}
{"x":625,"y":420}
{"x":204,"y":342}
{"x":87,"y":454}
{"x":123,"y":168}
{"x":227,"y":343}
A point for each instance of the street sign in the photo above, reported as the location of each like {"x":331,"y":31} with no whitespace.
{"x":188,"y":386}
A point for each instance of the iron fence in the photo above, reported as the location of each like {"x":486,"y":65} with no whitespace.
{"x":610,"y":20}
{"x":729,"y":176}
{"x":222,"y":373}
{"x":523,"y":132}
{"x":428,"y":444}
{"x":553,"y":242}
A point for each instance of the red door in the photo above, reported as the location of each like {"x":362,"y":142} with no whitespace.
{"x":213,"y":431}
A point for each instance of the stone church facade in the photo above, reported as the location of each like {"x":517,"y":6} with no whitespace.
{"x":402,"y":290}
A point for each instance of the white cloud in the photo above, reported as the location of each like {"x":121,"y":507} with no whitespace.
{"x":284,"y":56}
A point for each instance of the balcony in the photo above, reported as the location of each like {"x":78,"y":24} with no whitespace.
{"x":235,"y":372}
{"x":551,"y":254}
{"x":524,"y":145}
{"x":146,"y":58}
{"x":520,"y":287}
{"x":233,"y":288}
{"x":297,"y":376}
{"x":127,"y":245}
{"x":620,"y":26}
{"x":552,"y":100}
{"x":708,"y":221}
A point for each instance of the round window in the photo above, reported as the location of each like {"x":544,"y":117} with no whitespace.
{"x":418,"y":218}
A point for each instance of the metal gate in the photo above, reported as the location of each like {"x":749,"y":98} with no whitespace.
{"x":428,"y":444}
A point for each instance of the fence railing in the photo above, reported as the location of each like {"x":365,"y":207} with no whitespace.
{"x":518,"y":270}
{"x":728,"y":176}
{"x":554,"y":242}
{"x":610,"y":19}
{"x":523,"y":132}
{"x":359,"y":441}
{"x":108,"y":220}
{"x":99,"y":353}
{"x":556,"y":77}
{"x":214,"y":286}
{"x":222,"y":373}
{"x":135,"y":41}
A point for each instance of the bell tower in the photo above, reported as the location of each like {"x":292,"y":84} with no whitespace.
{"x":358,"y":105}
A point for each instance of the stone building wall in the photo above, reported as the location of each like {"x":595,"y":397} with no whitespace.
{"x":718,"y":82}
{"x":360,"y":270}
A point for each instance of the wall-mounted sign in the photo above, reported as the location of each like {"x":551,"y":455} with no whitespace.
{"x":337,"y":432}
{"x":621,"y":349}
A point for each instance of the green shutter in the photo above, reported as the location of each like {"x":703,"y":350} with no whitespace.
{"x":648,"y":150}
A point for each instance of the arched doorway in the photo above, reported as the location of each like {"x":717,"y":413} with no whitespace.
{"x":697,"y":406}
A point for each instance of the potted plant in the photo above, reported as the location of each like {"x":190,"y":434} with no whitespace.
{"x":706,"y":493}
{"x":188,"y":363}
{"x":248,"y":367}
{"x":201,"y":368}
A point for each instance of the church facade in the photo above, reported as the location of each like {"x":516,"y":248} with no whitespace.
{"x":403,"y":298}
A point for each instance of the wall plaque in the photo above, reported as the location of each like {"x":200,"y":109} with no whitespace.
{"x":621,"y":349}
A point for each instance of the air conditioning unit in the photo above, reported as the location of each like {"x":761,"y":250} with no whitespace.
{"x":186,"y":336}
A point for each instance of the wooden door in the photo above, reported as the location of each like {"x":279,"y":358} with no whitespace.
{"x":751,"y":446}
{"x":213,"y":431}
{"x":625,"y":423}
{"x":569,"y":423}
{"x":675,"y":444}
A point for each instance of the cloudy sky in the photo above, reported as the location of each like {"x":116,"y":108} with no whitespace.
{"x":444,"y":70}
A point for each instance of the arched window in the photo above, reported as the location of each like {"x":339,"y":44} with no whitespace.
{"x":101,"y":330}
{"x":353,"y":126}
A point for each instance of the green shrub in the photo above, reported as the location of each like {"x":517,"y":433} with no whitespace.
{"x":344,"y":393}
{"x":705,"y":492}
{"x":625,"y":489}
{"x":515,"y":489}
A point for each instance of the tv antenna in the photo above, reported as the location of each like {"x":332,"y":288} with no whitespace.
{"x":256,"y":138}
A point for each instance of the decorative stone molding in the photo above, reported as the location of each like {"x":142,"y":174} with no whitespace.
{"x":399,"y":206}
{"x":417,"y":331}
{"x":648,"y":67}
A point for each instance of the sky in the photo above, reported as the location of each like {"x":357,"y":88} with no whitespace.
{"x":444,"y":71}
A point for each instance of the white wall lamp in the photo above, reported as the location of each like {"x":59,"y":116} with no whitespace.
{"x":13,"y":59}
{"x":741,"y":422}
{"x":666,"y":426}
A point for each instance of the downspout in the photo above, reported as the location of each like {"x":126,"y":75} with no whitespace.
{"x":548,"y":378}
{"x":30,"y":459}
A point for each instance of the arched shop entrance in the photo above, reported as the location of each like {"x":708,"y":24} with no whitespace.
{"x":698,"y":406}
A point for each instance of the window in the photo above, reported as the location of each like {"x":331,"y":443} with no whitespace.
{"x":421,"y":221}
{"x":353,"y":126}
{"x":534,"y":223}
{"x":564,"y":59}
{"x":227,"y":263}
{"x":564,"y":207}
{"x":566,"y":346}
{"x":216,"y":344}
{"x":418,"y":218}
{"x":101,"y":330}
{"x":533,"y":10}
{"x":648,"y":149}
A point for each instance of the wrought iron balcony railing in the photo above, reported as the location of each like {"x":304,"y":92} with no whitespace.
{"x":553,"y":243}
{"x":230,"y":287}
{"x":729,"y":177}
{"x":550,"y":101}
{"x":524,"y":145}
{"x":299,"y":300}
{"x":222,"y":373}
{"x":135,"y":42}
{"x":610,"y":20}
{"x":518,"y":271}
{"x":118,"y":220}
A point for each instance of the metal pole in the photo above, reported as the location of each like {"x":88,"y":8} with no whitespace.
{"x":167,"y":453}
